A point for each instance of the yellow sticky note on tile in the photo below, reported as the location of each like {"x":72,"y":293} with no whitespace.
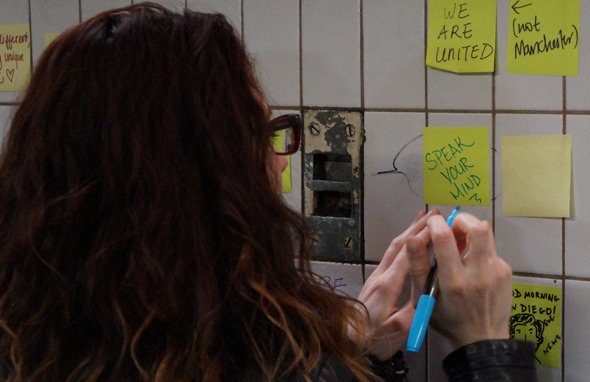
{"x":49,"y":37}
{"x":461,"y":35}
{"x":536,"y":175}
{"x":536,"y":317}
{"x":543,"y":37}
{"x":15,"y":57}
{"x":456,"y":165}
{"x":278,"y":142}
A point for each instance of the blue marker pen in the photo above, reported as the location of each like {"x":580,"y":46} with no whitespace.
{"x":426,"y":303}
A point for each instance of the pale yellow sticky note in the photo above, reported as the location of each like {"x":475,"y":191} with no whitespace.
{"x":462,"y":35}
{"x":456,"y":165}
{"x":49,"y":37}
{"x":536,"y":317}
{"x":536,"y":175}
{"x":543,"y":37}
{"x":15,"y":57}
{"x":279,"y":143}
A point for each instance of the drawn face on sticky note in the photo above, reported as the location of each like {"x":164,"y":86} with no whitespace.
{"x":456,"y":164}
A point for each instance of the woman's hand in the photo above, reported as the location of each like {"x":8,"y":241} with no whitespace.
{"x":475,"y":296}
{"x":388,"y":321}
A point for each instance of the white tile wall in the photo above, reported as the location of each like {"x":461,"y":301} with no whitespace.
{"x":90,"y":8}
{"x":232,"y":9}
{"x":528,"y":244}
{"x":344,"y":278}
{"x":13,"y":12}
{"x":51,"y":17}
{"x":522,"y":92}
{"x":578,"y":88}
{"x":459,"y":91}
{"x":577,"y":228}
{"x":331,"y":52}
{"x":275,"y":48}
{"x":576,"y":337}
{"x":393,"y":68}
{"x":390,"y":201}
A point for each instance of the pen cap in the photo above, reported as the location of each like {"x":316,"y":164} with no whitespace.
{"x":420,"y":323}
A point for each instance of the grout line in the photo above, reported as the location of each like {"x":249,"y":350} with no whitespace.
{"x":426,"y":122}
{"x":302,"y":147}
{"x":242,"y":20}
{"x":563,"y":313}
{"x":79,"y":11}
{"x":362,"y":53}
{"x":494,"y":151}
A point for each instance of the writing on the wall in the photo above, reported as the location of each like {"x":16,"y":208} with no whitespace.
{"x":462,"y":35}
{"x":536,"y":317}
{"x":456,"y":165}
{"x":15,"y":56}
{"x":543,"y":37}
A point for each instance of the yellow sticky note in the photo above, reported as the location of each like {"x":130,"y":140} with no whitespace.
{"x":49,"y":37}
{"x":278,"y":142}
{"x":543,"y":37}
{"x":456,"y":165}
{"x":536,"y":317}
{"x":15,"y":57}
{"x":462,"y":35}
{"x":536,"y":175}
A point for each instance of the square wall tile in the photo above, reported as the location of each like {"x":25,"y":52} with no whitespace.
{"x":578,"y":88}
{"x":271,"y":34}
{"x":469,"y":120}
{"x":576,"y":338}
{"x":528,"y":244}
{"x":416,"y":362}
{"x":346,"y":279}
{"x":448,"y":90}
{"x":231,"y":9}
{"x":393,"y":59}
{"x":51,"y":17}
{"x":577,"y":228}
{"x":331,"y":52}
{"x":391,"y":200}
{"x":13,"y":12}
{"x":521,"y":91}
{"x":92,"y":7}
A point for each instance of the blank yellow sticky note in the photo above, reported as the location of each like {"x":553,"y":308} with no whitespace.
{"x":462,"y":35}
{"x":536,"y":175}
{"x":279,"y":142}
{"x":15,"y":57}
{"x":456,"y":163}
{"x":543,"y":37}
{"x":536,"y":317}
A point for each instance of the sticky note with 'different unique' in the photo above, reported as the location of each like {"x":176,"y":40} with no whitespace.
{"x":15,"y":57}
{"x":456,"y":165}
{"x":536,"y":175}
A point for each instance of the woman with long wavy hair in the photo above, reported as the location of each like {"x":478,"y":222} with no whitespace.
{"x":142,"y":237}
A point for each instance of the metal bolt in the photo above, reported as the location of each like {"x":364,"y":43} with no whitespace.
{"x":314,"y":128}
{"x":350,"y":130}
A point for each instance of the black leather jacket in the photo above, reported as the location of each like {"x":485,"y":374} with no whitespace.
{"x":493,"y":360}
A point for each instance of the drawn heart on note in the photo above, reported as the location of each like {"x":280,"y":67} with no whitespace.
{"x":10,"y":74}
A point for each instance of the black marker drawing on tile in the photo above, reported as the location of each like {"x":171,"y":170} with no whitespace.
{"x":396,"y":170}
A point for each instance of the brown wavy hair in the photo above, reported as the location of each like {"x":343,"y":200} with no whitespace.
{"x":141,"y":237}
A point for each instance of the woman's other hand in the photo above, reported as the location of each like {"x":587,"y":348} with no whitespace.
{"x":389,"y":320}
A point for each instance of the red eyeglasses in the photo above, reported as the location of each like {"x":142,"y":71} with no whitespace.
{"x":287,"y":133}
